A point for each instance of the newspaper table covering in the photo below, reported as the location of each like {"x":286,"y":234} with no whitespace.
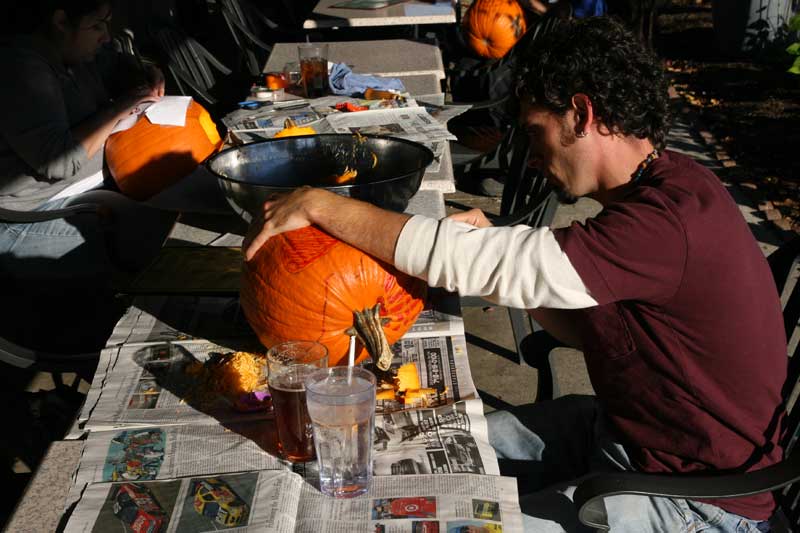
{"x":281,"y":501}
{"x":143,"y":454}
{"x":144,"y":382}
{"x":447,"y":439}
{"x":143,"y":430}
{"x":397,"y":118}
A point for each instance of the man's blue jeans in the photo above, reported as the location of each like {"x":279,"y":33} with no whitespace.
{"x":550,"y":446}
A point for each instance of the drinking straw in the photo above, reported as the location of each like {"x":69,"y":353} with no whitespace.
{"x":351,"y":358}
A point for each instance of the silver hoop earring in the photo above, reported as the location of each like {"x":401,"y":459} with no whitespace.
{"x":582,"y":134}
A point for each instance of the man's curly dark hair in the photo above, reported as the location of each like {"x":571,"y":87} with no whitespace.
{"x":599,"y":57}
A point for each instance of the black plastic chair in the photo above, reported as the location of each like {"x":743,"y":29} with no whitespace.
{"x":189,"y":63}
{"x":242,"y":19}
{"x":254,"y":33}
{"x":25,"y":358}
{"x":781,"y":479}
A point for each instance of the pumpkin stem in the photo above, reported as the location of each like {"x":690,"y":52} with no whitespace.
{"x":369,"y":329}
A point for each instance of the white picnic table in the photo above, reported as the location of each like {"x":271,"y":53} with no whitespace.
{"x":412,"y":12}
{"x":390,"y":57}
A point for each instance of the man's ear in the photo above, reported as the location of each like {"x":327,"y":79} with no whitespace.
{"x":584,"y":114}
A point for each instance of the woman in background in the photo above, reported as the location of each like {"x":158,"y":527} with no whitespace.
{"x":59,"y":101}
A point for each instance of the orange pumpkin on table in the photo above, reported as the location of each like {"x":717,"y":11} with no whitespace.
{"x":148,"y":158}
{"x":493,"y":27}
{"x":307,"y":285}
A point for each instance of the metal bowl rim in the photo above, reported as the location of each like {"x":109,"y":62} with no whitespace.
{"x":429,"y":157}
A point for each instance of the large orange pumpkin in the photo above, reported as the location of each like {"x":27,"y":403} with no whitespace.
{"x":148,"y":158}
{"x":493,"y":27}
{"x":307,"y":285}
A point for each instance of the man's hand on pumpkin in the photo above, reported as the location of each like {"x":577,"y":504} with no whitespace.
{"x":283,"y":213}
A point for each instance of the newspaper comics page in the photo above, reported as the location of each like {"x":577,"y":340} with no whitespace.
{"x":149,"y":453}
{"x":280,"y":501}
{"x":251,"y":501}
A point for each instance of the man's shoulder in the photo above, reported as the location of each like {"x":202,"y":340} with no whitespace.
{"x":684,"y":186}
{"x":676,"y":171}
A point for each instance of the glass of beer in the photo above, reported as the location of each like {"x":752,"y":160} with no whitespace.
{"x":313,"y":69}
{"x":288,"y":364}
{"x":341,"y":402}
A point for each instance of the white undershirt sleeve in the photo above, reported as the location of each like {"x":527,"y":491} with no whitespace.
{"x":515,"y":266}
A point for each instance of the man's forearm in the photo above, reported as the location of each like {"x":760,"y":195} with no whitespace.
{"x":362,"y":225}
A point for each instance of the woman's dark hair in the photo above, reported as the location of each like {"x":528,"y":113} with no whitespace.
{"x":30,"y":15}
{"x":599,"y":57}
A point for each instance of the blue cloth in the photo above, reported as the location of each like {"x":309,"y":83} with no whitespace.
{"x":344,"y":82}
{"x":588,"y":8}
{"x":549,"y":446}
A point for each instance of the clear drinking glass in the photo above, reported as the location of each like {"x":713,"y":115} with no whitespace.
{"x":289,"y":363}
{"x":313,"y":68}
{"x":341,"y":403}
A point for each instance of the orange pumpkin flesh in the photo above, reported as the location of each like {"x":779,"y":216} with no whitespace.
{"x":306,"y":285}
{"x":291,"y":129}
{"x":148,"y":158}
{"x":493,"y":27}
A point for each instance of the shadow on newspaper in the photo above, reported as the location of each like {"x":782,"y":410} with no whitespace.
{"x":176,"y":369}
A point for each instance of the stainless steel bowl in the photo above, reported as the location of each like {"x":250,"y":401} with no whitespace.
{"x":389,"y":170}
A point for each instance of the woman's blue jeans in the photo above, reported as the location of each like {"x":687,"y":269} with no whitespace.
{"x":57,"y":249}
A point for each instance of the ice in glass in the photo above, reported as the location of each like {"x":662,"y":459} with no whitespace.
{"x":341,"y":403}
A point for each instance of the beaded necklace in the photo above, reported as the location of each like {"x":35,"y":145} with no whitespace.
{"x":652,"y":156}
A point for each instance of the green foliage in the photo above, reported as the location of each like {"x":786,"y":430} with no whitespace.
{"x":794,"y":48}
{"x":767,"y":44}
{"x":794,"y":23}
